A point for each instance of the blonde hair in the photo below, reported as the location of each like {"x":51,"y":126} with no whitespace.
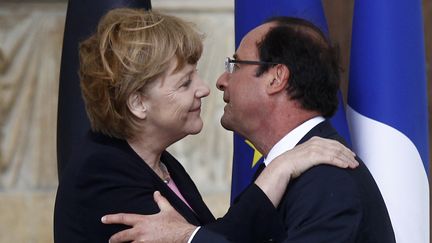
{"x":130,"y":49}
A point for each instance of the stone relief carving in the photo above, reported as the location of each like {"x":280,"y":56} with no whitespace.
{"x":30,"y":49}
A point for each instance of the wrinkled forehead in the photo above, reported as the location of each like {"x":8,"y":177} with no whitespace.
{"x":247,"y":49}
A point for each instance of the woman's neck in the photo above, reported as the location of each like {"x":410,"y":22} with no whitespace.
{"x":149,"y":151}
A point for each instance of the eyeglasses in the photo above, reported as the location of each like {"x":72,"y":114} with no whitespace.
{"x":230,"y":66}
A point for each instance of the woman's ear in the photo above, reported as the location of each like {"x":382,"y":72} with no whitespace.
{"x":137,"y":105}
{"x":278,"y":79}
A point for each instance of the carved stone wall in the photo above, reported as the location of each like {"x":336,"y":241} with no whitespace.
{"x":30,"y":48}
{"x":31,"y":37}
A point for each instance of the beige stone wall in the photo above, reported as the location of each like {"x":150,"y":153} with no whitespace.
{"x":31,"y":36}
{"x":30,"y":49}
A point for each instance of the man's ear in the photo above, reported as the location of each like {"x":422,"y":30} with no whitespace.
{"x":137,"y":105}
{"x":278,"y":79}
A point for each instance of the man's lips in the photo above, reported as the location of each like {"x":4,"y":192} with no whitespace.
{"x":225,"y":99}
{"x":196,"y":109}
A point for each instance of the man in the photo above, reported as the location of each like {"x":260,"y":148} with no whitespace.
{"x":280,"y":87}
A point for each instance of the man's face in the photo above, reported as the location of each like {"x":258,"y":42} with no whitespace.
{"x":244,"y":93}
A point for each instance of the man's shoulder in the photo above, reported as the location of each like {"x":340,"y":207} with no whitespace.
{"x":324,"y":176}
{"x":326,"y":185}
{"x":325,"y":189}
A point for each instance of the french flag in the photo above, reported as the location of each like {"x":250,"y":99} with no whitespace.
{"x":387,"y":109}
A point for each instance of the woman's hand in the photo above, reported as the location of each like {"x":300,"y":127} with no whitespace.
{"x":291,"y":164}
{"x":317,"y":151}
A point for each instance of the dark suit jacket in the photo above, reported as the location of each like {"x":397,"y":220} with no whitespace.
{"x":325,"y":204}
{"x":251,"y":218}
{"x":106,"y":176}
{"x":329,"y":204}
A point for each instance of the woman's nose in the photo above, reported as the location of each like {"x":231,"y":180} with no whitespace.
{"x":203,"y":90}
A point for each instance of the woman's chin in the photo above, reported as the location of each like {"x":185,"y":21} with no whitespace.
{"x":197,"y":128}
{"x":196,"y":131}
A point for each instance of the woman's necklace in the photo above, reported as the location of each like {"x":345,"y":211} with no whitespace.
{"x":166,"y":178}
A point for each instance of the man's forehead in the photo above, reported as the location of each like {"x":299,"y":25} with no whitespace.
{"x":248,"y":46}
{"x":262,"y":29}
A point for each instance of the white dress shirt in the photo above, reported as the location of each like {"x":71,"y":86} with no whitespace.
{"x":292,"y":138}
{"x":193,"y":234}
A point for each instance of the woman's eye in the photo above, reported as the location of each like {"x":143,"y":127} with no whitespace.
{"x":187,"y":83}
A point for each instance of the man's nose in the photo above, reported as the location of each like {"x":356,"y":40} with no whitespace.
{"x":222,"y":81}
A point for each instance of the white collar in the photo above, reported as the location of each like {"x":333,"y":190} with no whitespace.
{"x":292,"y":138}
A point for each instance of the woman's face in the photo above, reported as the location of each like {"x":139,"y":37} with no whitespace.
{"x":174,"y":102}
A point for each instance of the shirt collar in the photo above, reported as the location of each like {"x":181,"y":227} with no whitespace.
{"x":292,"y":138}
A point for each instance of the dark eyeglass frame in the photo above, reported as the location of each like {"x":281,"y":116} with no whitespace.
{"x":229,"y":63}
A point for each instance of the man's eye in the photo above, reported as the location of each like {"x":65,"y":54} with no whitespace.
{"x":235,"y":67}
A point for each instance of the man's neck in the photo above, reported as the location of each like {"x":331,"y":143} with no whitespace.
{"x":266,"y":137}
{"x":291,"y":139}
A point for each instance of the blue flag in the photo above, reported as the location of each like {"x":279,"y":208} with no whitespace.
{"x":387,"y":109}
{"x":248,"y":15}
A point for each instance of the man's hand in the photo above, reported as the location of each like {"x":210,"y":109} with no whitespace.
{"x":166,"y":226}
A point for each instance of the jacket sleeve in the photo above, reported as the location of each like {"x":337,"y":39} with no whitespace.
{"x":252,"y":218}
{"x":322,"y":210}
{"x":204,"y":235}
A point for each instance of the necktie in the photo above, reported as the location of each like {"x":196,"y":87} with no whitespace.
{"x":261,"y":167}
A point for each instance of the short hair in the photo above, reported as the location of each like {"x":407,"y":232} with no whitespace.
{"x":130,"y":49}
{"x":312,"y":60}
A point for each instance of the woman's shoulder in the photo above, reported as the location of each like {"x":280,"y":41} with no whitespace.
{"x":103,"y":152}
{"x":101,"y":160}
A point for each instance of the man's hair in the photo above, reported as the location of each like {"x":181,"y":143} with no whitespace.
{"x":130,"y":49}
{"x":312,"y":60}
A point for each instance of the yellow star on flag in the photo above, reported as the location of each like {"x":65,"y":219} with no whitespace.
{"x":257,"y":155}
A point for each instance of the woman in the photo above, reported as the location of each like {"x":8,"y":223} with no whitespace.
{"x":142,"y":93}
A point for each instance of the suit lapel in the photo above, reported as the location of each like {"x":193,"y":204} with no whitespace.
{"x":201,"y":214}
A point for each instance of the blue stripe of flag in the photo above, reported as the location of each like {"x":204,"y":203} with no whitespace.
{"x":387,"y":73}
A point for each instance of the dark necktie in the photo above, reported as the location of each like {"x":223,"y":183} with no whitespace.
{"x":261,"y":167}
